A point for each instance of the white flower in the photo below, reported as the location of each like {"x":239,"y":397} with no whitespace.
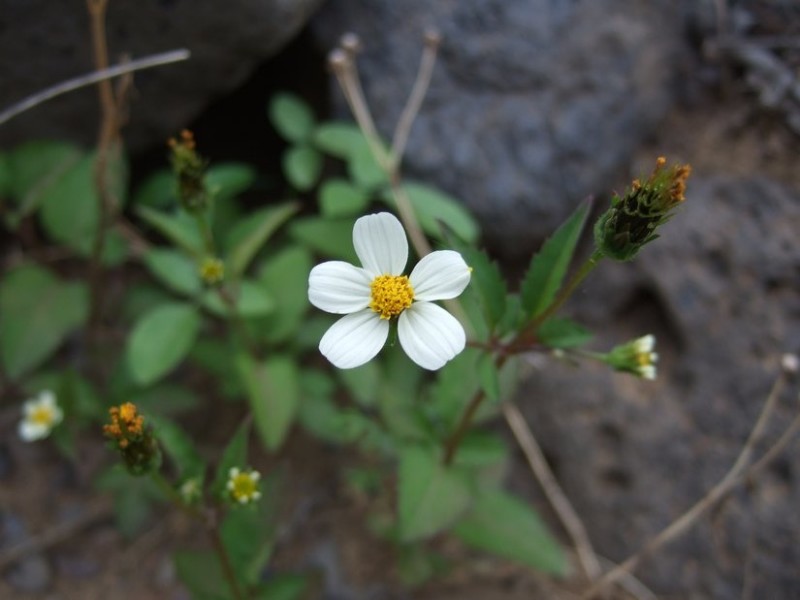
{"x":376,"y":293}
{"x":243,"y":485}
{"x":40,"y":416}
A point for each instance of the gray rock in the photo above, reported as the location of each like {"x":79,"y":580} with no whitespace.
{"x":32,"y":573}
{"x":43,"y":43}
{"x":534,"y":104}
{"x":719,"y":290}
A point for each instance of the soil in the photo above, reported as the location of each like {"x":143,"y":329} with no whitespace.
{"x":718,"y":133}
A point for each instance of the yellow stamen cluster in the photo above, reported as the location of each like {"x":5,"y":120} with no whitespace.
{"x":126,"y":424}
{"x":212,"y":270}
{"x":43,"y":415}
{"x":243,"y":485}
{"x":391,"y":295}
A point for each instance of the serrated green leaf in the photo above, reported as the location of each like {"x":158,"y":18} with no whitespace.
{"x":549,"y":265}
{"x":175,"y":270}
{"x":291,"y":117}
{"x":234,"y":455}
{"x":302,"y":166}
{"x":250,"y":235}
{"x":227,"y":180}
{"x":330,"y":237}
{"x":340,"y":198}
{"x":488,"y":283}
{"x":504,"y":525}
{"x":273,"y":389}
{"x":431,"y":497}
{"x":250,"y":297}
{"x":160,"y":340}
{"x":37,"y":312}
{"x":338,"y":138}
{"x":432,"y":207}
{"x":562,"y":333}
{"x":179,"y":228}
{"x":488,"y":377}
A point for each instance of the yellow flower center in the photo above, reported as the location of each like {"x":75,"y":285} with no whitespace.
{"x":391,"y":295}
{"x":212,"y":270}
{"x":644,"y":359}
{"x":42,"y":415}
{"x":244,"y":487}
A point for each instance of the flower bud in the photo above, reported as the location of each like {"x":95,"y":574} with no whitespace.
{"x":633,"y":219}
{"x":190,"y":170}
{"x":137,"y":446}
{"x":635,"y":357}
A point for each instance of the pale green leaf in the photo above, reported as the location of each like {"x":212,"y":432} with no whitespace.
{"x":250,"y":235}
{"x":37,"y":313}
{"x":330,"y":237}
{"x":160,"y":340}
{"x":431,"y":496}
{"x":250,"y":299}
{"x":273,"y":389}
{"x":340,"y":198}
{"x":175,"y":270}
{"x":179,"y":228}
{"x":227,"y":180}
{"x":285,"y":275}
{"x":291,"y":117}
{"x":504,"y":525}
{"x":338,"y":138}
{"x":302,"y":166}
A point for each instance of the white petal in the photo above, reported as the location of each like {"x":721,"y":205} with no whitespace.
{"x":440,"y":275}
{"x":30,"y":432}
{"x":338,"y":287}
{"x":430,"y":335}
{"x":354,"y":339}
{"x":381,"y":244}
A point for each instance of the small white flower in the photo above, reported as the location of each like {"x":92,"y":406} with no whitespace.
{"x":40,"y":416}
{"x":372,"y":295}
{"x":243,"y":485}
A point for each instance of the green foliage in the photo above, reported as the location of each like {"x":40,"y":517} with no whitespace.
{"x":273,"y":389}
{"x":487,"y":284}
{"x":329,"y":237}
{"x":338,"y":139}
{"x":134,"y":498}
{"x":302,"y":166}
{"x":37,"y":313}
{"x":434,"y":209}
{"x":562,"y":333}
{"x":250,"y":235}
{"x":177,"y":444}
{"x":201,"y":571}
{"x":291,"y":117}
{"x":504,"y":525}
{"x":431,"y":496}
{"x":160,"y":340}
{"x":548,"y":267}
{"x":179,"y":228}
{"x":234,"y":455}
{"x":247,"y":299}
{"x":340,"y":198}
{"x":174,"y":270}
{"x":285,"y":275}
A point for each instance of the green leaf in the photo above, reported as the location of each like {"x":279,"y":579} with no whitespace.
{"x":329,"y":237}
{"x":160,"y":340}
{"x":431,"y":496}
{"x":291,"y":117}
{"x":338,"y":138}
{"x":562,"y":333}
{"x":273,"y":389}
{"x":488,"y":377}
{"x":37,"y":313}
{"x":179,"y":228}
{"x":69,"y":208}
{"x":302,"y":166}
{"x":488,"y":283}
{"x":156,"y":191}
{"x":433,"y":207}
{"x":164,"y":399}
{"x":248,"y":237}
{"x":283,"y":587}
{"x":549,"y":265}
{"x":362,"y":382}
{"x":216,"y":357}
{"x":364,"y":169}
{"x":251,"y":300}
{"x":177,"y":444}
{"x":285,"y":275}
{"x":227,"y":180}
{"x":234,"y":455}
{"x":133,"y":498}
{"x":340,"y":198}
{"x":175,"y":270}
{"x":202,"y":572}
{"x":504,"y":525}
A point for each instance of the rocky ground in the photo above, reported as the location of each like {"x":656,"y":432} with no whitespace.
{"x":719,"y":290}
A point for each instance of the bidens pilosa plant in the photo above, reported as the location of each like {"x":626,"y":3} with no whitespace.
{"x":216,"y":316}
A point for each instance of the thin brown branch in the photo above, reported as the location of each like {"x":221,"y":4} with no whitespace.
{"x":70,"y":85}
{"x":555,"y":495}
{"x":735,"y":476}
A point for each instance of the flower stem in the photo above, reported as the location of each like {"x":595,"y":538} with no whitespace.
{"x":566,"y":291}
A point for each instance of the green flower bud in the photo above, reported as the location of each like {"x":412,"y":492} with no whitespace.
{"x":633,"y":219}
{"x":635,"y":357}
{"x":190,"y":171}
